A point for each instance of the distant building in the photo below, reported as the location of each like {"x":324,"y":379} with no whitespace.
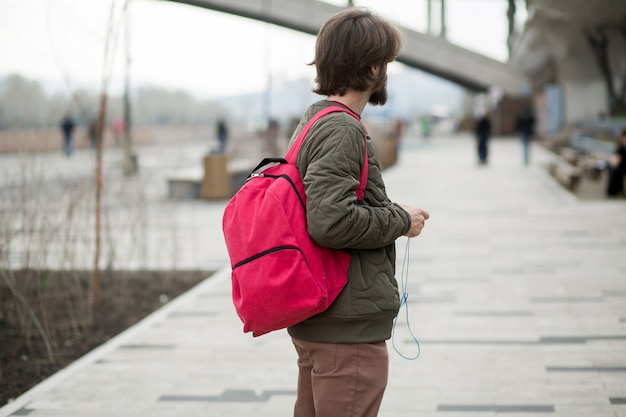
{"x":574,"y":53}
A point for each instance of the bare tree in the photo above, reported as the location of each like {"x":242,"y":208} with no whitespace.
{"x":598,"y":39}
{"x":106,"y":76}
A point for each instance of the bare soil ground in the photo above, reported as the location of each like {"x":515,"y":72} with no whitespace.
{"x":46,"y":321}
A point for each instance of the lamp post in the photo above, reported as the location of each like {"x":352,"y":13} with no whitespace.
{"x":443,"y":19}
{"x":429,"y":6}
{"x":130,"y":158}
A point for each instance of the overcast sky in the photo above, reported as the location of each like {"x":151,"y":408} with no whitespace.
{"x":207,"y":53}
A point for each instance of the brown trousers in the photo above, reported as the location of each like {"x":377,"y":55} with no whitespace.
{"x":340,"y":380}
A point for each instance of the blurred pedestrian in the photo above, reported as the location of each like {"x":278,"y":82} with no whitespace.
{"x":67,"y":128}
{"x":222,"y":135}
{"x":617,"y":168}
{"x":425,"y":125}
{"x":118,"y":128}
{"x":92,"y":131}
{"x":525,"y":127}
{"x":271,"y":137}
{"x":483,"y":134}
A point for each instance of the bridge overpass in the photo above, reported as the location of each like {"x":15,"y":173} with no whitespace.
{"x":431,"y":54}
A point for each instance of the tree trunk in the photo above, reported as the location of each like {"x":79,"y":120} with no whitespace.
{"x":599,"y":42}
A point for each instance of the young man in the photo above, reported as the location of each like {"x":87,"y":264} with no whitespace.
{"x":343,"y":357}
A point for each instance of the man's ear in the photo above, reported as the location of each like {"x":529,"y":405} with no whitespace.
{"x":378,"y":70}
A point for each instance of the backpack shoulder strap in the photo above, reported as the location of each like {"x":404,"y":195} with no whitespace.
{"x":295,"y":148}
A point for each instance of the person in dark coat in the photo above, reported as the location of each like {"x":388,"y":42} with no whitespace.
{"x":67,"y":128}
{"x":92,"y":130}
{"x":617,"y":169}
{"x":525,"y":127}
{"x":222,"y":135}
{"x":483,"y":134}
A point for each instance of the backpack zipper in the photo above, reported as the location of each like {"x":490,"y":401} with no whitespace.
{"x":267,"y":252}
{"x":285,"y":176}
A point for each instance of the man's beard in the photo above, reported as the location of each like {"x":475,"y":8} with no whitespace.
{"x":379,"y":95}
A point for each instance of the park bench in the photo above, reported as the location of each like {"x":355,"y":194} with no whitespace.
{"x":590,"y":161}
{"x":593,"y":163}
{"x":593,"y":140}
{"x":565,"y":173}
{"x":570,"y":155}
{"x":184,"y":183}
{"x":211,"y":181}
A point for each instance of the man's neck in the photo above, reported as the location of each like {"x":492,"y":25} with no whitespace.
{"x":354,"y":100}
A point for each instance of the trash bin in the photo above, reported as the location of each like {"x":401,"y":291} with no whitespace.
{"x":216,"y":180}
{"x":387,"y":148}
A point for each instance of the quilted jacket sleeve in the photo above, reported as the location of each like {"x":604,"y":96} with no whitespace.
{"x":335,"y":219}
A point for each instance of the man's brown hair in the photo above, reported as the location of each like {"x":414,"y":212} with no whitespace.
{"x":348,"y":45}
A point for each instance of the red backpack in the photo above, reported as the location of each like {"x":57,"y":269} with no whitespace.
{"x":280,"y":276}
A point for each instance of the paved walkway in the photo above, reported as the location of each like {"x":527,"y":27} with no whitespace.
{"x":517,"y":294}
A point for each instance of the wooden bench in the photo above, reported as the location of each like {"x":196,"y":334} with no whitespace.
{"x":570,"y":155}
{"x":565,"y":173}
{"x":591,"y":162}
{"x":187,"y":183}
{"x":594,"y":163}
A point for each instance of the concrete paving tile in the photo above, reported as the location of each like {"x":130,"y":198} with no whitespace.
{"x":585,"y":410}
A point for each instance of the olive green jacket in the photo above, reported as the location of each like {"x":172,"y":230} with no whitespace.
{"x":330,"y":162}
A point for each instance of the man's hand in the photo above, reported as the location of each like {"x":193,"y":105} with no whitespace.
{"x":418,"y":218}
